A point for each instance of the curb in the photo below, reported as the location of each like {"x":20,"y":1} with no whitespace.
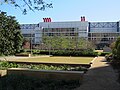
{"x":93,"y":60}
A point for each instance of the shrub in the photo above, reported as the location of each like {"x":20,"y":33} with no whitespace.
{"x":74,"y":53}
{"x":104,"y":53}
{"x":109,"y":57}
{"x":5,"y":65}
{"x":80,"y":52}
{"x":22,"y":54}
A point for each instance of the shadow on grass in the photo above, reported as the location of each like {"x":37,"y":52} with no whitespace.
{"x":20,"y":82}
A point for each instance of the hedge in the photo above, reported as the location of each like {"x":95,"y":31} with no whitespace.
{"x":104,"y":53}
{"x":82,"y":52}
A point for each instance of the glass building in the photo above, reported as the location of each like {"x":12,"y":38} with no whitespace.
{"x":100,"y":33}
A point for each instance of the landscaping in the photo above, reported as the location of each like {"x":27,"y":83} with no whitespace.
{"x":6,"y":65}
{"x":67,"y":52}
{"x":51,"y":61}
{"x":65,"y":65}
{"x":20,"y":80}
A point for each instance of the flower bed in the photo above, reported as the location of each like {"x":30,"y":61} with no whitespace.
{"x":6,"y":65}
{"x":40,"y":76}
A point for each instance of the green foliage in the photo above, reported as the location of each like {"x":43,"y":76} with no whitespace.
{"x":81,"y":52}
{"x":112,"y":45}
{"x":66,"y":43}
{"x":117,"y":42}
{"x":116,"y":50}
{"x":84,"y":52}
{"x":21,"y":82}
{"x":116,"y":53}
{"x":109,"y":57}
{"x":10,"y":35}
{"x":5,"y":65}
{"x":103,"y":53}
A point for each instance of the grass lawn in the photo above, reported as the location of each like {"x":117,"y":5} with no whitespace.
{"x":66,"y":60}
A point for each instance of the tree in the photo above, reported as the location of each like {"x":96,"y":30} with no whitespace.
{"x":25,"y":5}
{"x":118,"y":51}
{"x":112,"y":45}
{"x":63,"y":42}
{"x":26,"y":43}
{"x":81,"y":43}
{"x":10,"y":35}
{"x":117,"y":42}
{"x":117,"y":48}
{"x":85,"y":44}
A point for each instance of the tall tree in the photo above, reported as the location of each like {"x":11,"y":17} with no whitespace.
{"x":63,"y":42}
{"x":10,"y":35}
{"x":26,"y":5}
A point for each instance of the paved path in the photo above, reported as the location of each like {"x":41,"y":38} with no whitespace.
{"x":20,"y":57}
{"x":101,"y":76}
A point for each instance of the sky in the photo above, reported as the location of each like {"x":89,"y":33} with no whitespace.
{"x":70,"y":10}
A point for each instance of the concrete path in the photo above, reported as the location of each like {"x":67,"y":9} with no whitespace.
{"x":11,"y":58}
{"x":101,"y":76}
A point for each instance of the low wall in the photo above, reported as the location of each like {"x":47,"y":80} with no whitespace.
{"x":3,"y":73}
{"x":54,"y":64}
{"x":48,"y":74}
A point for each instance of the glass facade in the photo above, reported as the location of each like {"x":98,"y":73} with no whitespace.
{"x":60,"y":32}
{"x":97,"y":32}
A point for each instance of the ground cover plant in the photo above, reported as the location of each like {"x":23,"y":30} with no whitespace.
{"x":6,"y":65}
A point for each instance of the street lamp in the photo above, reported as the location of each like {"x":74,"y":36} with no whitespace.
{"x":42,"y":45}
{"x":31,"y":43}
{"x":49,"y":40}
{"x":49,"y":48}
{"x":31,"y":40}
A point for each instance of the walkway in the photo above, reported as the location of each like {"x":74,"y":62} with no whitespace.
{"x":101,"y":76}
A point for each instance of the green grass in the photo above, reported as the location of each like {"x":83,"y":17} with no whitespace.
{"x":65,"y":60}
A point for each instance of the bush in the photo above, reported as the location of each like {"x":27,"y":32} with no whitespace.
{"x":74,"y":53}
{"x":22,"y":54}
{"x":5,"y":65}
{"x":109,"y":57}
{"x":81,"y":52}
{"x":36,"y":51}
{"x":104,"y":53}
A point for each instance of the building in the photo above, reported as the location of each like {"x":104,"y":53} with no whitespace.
{"x":103,"y":33}
{"x":100,"y":33}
